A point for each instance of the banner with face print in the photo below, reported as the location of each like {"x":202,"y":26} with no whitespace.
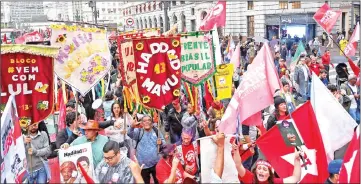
{"x":84,"y":55}
{"x":68,"y":162}
{"x":158,"y":70}
{"x":13,"y":159}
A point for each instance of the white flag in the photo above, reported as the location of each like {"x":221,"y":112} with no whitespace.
{"x":336,"y":125}
{"x":208,"y":158}
{"x":217,"y":46}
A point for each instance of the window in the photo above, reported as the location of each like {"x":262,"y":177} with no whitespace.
{"x":174,"y":3}
{"x":161,"y":6}
{"x":283,"y":4}
{"x":136,"y":9}
{"x":193,"y":25}
{"x":182,"y":2}
{"x":250,"y":5}
{"x":114,"y":10}
{"x":250,"y":25}
{"x":154,"y":6}
{"x":296,"y":5}
{"x":192,"y":11}
{"x":130,"y":11}
{"x":103,"y":9}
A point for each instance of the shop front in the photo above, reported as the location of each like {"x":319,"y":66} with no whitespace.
{"x":292,"y":26}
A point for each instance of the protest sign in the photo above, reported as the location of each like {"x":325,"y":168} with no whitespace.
{"x":289,"y":133}
{"x":27,"y":72}
{"x":230,"y":174}
{"x":223,"y":80}
{"x":83,"y":58}
{"x":197,"y":58}
{"x":68,"y":162}
{"x":158,"y":70}
{"x":13,"y":158}
{"x":127,"y":64}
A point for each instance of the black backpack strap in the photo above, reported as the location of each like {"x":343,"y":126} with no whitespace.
{"x":140,"y":135}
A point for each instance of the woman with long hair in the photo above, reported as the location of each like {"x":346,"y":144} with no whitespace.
{"x":280,"y":112}
{"x":263,"y":172}
{"x":117,"y":134}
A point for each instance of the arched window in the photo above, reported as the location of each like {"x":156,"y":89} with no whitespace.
{"x":160,"y":5}
{"x":203,"y":15}
{"x":161,"y":25}
{"x":150,"y":23}
{"x":145,"y":23}
{"x":175,"y":21}
{"x":155,"y":22}
{"x":184,"y":26}
{"x":154,"y":6}
{"x":141,"y":24}
{"x":137,"y":24}
{"x":136,"y":9}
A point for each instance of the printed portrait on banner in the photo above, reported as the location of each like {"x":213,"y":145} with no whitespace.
{"x":70,"y":161}
{"x":197,"y":58}
{"x":13,"y":159}
{"x":27,"y":72}
{"x":84,"y":55}
{"x":158,"y":70}
{"x":223,"y":81}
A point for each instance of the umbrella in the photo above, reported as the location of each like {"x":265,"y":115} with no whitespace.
{"x":259,"y":39}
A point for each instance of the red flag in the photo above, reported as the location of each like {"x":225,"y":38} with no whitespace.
{"x":255,"y":93}
{"x":351,"y":47}
{"x":355,"y":69}
{"x":350,"y":171}
{"x":208,"y":97}
{"x":30,"y":37}
{"x":87,"y":178}
{"x":326,"y":17}
{"x":5,"y":40}
{"x":282,"y":158}
{"x":62,"y":113}
{"x":217,"y":16}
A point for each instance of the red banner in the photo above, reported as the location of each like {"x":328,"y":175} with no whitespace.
{"x":30,"y":37}
{"x":158,"y":70}
{"x":30,"y":77}
{"x":217,"y":16}
{"x":326,"y":17}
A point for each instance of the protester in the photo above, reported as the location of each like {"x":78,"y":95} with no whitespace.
{"x":326,"y":62}
{"x":187,"y":152}
{"x":190,"y":119}
{"x":97,"y":141}
{"x":280,"y":113}
{"x":353,"y":93}
{"x":336,"y":93}
{"x":263,"y":172}
{"x":286,"y":94}
{"x":282,"y":68}
{"x":71,"y":132}
{"x":173,"y":125}
{"x":334,"y":168}
{"x":302,"y":76}
{"x":169,"y":169}
{"x":147,"y":138}
{"x":114,"y":168}
{"x":37,"y":149}
{"x":108,"y":101}
{"x":323,"y":77}
{"x":115,"y":133}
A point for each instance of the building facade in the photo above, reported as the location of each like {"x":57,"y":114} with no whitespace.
{"x":146,"y":15}
{"x":255,"y":18}
{"x":22,"y":12}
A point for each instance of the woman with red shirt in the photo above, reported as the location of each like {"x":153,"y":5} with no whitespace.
{"x":315,"y":66}
{"x":263,"y":172}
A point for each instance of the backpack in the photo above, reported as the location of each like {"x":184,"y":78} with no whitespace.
{"x":141,"y":133}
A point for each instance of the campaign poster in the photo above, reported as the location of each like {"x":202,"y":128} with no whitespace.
{"x":27,"y":72}
{"x":223,"y":81}
{"x":289,"y":132}
{"x":13,"y":158}
{"x":84,"y":56}
{"x":68,"y":163}
{"x":197,"y":58}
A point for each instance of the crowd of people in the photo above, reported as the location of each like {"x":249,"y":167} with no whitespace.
{"x":133,"y":147}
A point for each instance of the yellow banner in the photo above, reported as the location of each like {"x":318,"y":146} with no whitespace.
{"x":223,"y":81}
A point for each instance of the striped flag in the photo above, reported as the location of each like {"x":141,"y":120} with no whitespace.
{"x":300,"y":50}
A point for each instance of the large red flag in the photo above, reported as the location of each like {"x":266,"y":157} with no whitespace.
{"x":282,"y":158}
{"x":217,"y":16}
{"x":326,"y":17}
{"x":253,"y":94}
{"x":350,"y":171}
{"x":351,"y":47}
